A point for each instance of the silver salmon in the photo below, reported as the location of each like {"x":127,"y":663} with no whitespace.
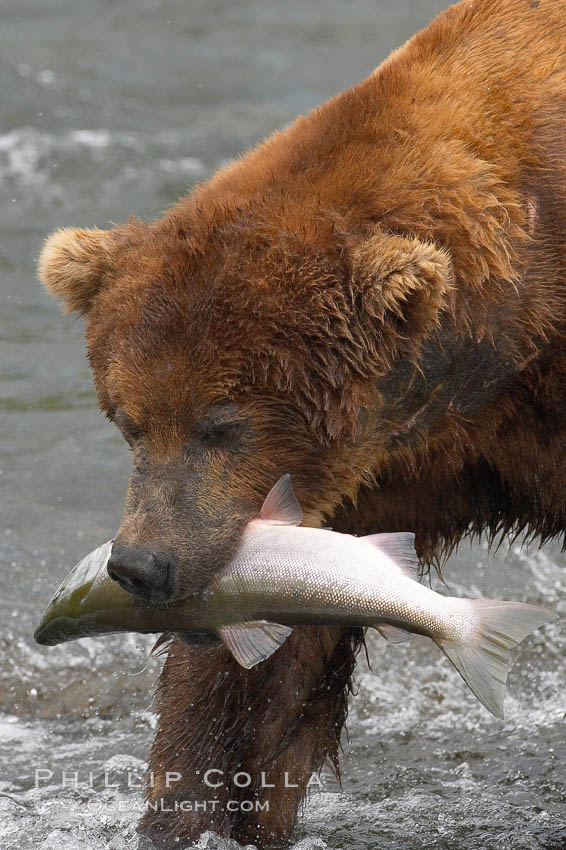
{"x":285,"y":575}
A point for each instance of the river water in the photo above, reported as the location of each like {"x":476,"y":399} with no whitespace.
{"x":112,"y":108}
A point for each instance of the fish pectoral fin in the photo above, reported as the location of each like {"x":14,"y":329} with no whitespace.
{"x":393,"y":634}
{"x":400,"y":547}
{"x":281,"y":506}
{"x":253,"y":642}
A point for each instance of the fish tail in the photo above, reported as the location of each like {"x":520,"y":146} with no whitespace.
{"x":483,"y":659}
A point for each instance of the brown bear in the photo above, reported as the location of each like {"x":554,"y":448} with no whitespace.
{"x":372,"y":300}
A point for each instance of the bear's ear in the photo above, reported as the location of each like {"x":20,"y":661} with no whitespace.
{"x":72,"y":265}
{"x":402,"y":283}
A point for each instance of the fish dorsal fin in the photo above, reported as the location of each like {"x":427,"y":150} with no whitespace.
{"x":281,"y":506}
{"x":393,"y":633}
{"x":400,"y":547}
{"x":253,"y":642}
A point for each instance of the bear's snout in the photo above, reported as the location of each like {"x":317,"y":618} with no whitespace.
{"x":144,"y":573}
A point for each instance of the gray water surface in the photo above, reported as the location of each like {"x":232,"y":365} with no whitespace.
{"x":112,"y":108}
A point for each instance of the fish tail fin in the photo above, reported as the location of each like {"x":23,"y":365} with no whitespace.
{"x":483,"y":660}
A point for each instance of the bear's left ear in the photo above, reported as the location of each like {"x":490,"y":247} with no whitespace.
{"x":72,"y":265}
{"x":401,"y":285}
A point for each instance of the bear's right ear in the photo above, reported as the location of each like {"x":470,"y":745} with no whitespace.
{"x":72,"y":265}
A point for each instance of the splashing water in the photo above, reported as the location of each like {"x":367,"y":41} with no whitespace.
{"x":145,"y":100}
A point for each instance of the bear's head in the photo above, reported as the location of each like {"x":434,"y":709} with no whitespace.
{"x":229,"y":352}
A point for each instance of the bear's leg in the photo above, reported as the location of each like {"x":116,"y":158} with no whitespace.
{"x":227,"y":734}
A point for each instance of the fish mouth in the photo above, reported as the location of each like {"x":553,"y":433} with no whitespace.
{"x":54,"y":630}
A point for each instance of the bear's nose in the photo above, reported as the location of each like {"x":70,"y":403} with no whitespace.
{"x":142,"y":572}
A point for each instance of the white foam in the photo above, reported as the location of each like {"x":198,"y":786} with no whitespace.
{"x":91,"y":138}
{"x":29,"y":157}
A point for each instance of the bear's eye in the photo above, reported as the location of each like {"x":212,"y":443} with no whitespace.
{"x":130,"y":431}
{"x":222,"y":427}
{"x":223,"y":435}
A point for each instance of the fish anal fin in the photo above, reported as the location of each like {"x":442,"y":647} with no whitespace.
{"x":400,"y":547}
{"x":281,"y":506}
{"x":251,"y":643}
{"x":393,"y":634}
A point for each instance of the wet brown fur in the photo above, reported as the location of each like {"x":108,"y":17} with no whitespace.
{"x":379,"y":292}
